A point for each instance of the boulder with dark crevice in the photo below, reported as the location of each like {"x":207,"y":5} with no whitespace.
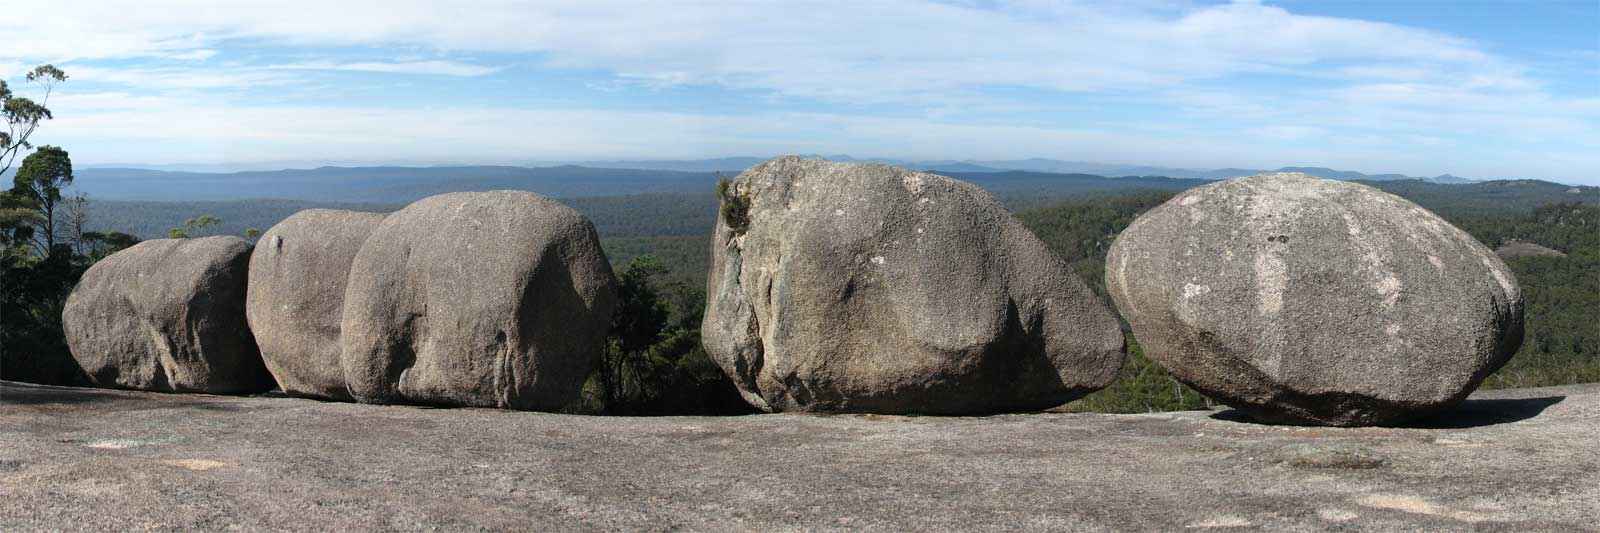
{"x":868,"y":288}
{"x":167,"y":315}
{"x":296,"y":298}
{"x":490,"y":299}
{"x":1312,"y":301}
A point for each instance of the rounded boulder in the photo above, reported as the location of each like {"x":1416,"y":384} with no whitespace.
{"x":296,"y":297}
{"x":1310,"y":301}
{"x":869,"y":288}
{"x":488,"y":299}
{"x":167,"y":315}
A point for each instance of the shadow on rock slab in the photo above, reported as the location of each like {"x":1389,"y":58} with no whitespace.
{"x":1469,"y":414}
{"x":17,"y":393}
{"x":29,"y":395}
{"x":1479,"y":413}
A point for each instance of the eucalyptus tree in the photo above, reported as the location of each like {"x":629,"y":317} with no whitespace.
{"x":23,"y":115}
{"x":37,"y":186}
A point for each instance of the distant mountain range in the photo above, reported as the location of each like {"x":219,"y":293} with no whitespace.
{"x":399,"y":185}
{"x":626,"y":203}
{"x":732,"y":165}
{"x":402,"y":184}
{"x":1055,"y":166}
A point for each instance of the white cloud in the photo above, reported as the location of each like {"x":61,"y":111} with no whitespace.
{"x":882,"y":49}
{"x":1365,"y":91}
{"x":176,"y":78}
{"x":199,"y":54}
{"x":438,"y":68}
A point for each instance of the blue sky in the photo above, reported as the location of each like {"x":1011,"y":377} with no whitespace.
{"x":1476,"y":89}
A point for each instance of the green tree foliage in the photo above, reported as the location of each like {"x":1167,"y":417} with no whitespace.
{"x":735,"y":208}
{"x":35,"y":281}
{"x":40,"y":263}
{"x":193,"y":227}
{"x":1561,"y":343}
{"x":1143,"y":386}
{"x":1081,"y":232}
{"x":97,"y":245}
{"x":22,"y":115}
{"x":33,"y":291}
{"x":37,"y":187}
{"x":653,"y":363}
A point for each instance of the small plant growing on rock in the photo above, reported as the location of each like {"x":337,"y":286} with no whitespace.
{"x":735,"y":207}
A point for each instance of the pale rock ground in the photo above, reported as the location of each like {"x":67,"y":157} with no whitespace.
{"x":103,"y":459}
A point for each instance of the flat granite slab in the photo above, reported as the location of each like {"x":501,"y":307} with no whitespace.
{"x":101,"y":459}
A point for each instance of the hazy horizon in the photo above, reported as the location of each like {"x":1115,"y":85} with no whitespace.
{"x":269,"y":166}
{"x":1480,"y":90}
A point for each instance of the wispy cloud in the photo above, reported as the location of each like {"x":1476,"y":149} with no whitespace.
{"x":198,"y":54}
{"x":178,"y":78}
{"x":434,"y":68}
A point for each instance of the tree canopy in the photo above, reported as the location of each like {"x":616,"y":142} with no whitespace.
{"x":22,"y":115}
{"x":37,"y":187}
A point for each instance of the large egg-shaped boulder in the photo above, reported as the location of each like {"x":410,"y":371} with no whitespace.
{"x":869,"y":288}
{"x":167,"y":315}
{"x":296,"y":298}
{"x":489,"y":299}
{"x":1313,"y":301}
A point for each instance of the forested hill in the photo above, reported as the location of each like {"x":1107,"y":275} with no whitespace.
{"x":1488,"y":197}
{"x":399,"y":185}
{"x":381,"y":185}
{"x":671,"y":204}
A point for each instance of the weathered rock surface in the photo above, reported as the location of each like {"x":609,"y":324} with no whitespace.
{"x":869,"y":288}
{"x":167,"y":315}
{"x":1305,"y":300}
{"x":296,"y":297}
{"x":490,"y":299}
{"x":95,"y":459}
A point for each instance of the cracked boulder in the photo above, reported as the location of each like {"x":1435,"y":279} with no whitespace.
{"x":868,"y":288}
{"x":1311,"y":301}
{"x":487,"y":299}
{"x":167,"y":315}
{"x":296,"y":298}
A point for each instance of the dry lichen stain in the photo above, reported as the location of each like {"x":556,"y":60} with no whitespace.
{"x":1387,"y":285}
{"x":1190,"y":308}
{"x":912,"y":182}
{"x":1122,"y":279}
{"x":197,"y":465}
{"x":1416,"y":505}
{"x":1275,"y":212}
{"x":1271,"y":281}
{"x":1222,"y":521}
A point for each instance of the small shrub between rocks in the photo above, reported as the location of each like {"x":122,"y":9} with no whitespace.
{"x":1141,"y":387}
{"x":735,"y":207}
